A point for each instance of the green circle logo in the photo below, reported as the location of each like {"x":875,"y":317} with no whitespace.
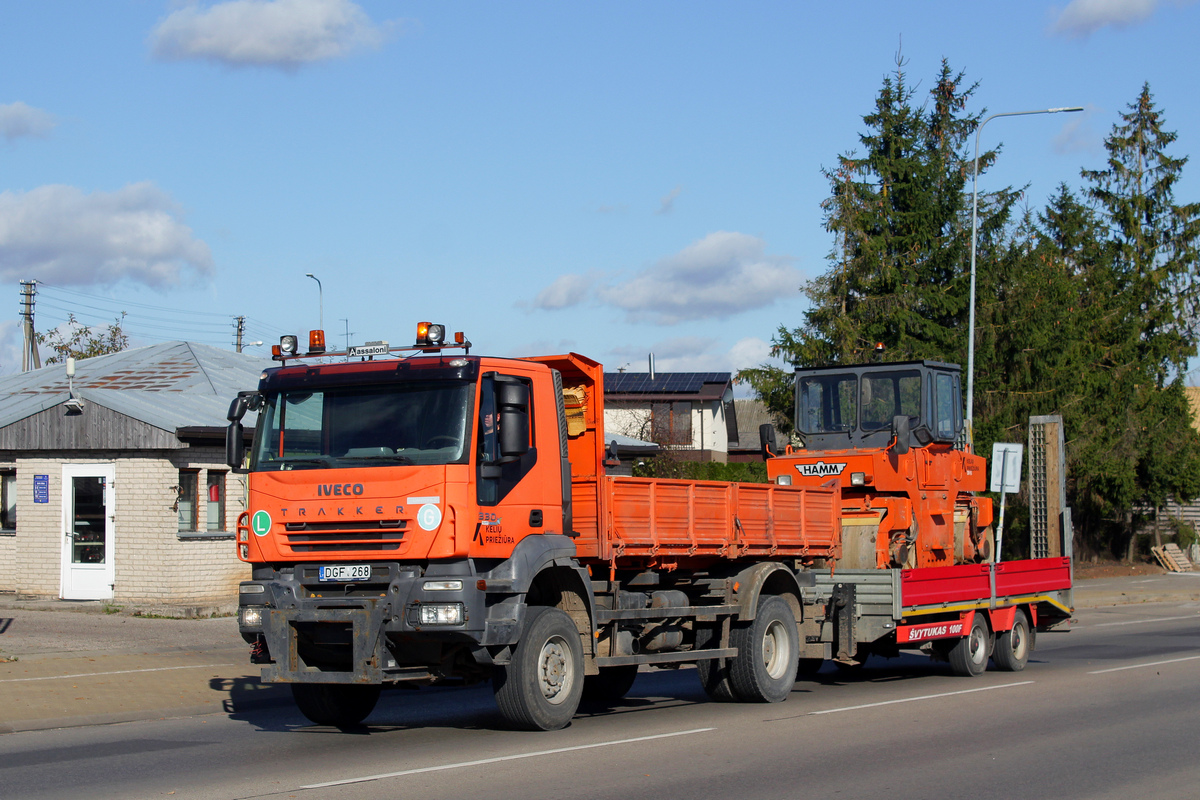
{"x":260,"y":523}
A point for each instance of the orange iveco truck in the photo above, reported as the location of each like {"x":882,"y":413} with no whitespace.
{"x":425,"y":515}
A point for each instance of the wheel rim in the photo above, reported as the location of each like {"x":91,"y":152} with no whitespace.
{"x":776,"y":650}
{"x":1017,"y":640}
{"x":555,"y":671}
{"x":978,"y":645}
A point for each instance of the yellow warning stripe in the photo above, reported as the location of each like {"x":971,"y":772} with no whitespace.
{"x":1001,"y":602}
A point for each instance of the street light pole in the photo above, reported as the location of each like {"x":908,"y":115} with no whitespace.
{"x":321,"y":300}
{"x":974,"y":227}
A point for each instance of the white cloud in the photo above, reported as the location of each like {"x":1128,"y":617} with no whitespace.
{"x":667,"y":204}
{"x":693,"y":354}
{"x":18,"y":119}
{"x":12,"y":347}
{"x":723,"y":274}
{"x":1082,"y":18}
{"x":1077,"y":136}
{"x":566,"y":291}
{"x":61,"y":235}
{"x":267,"y":33}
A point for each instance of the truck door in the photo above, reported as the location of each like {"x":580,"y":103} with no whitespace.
{"x":515,"y":499}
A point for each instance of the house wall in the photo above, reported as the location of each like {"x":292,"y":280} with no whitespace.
{"x":632,"y":422}
{"x":709,"y":433}
{"x":155,"y":563}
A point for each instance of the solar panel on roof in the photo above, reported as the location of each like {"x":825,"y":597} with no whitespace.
{"x":664,"y":382}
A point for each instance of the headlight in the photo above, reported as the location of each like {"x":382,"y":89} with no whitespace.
{"x":858,"y":479}
{"x":783,"y":480}
{"x":252,"y":588}
{"x":440,"y":613}
{"x":251,"y":617}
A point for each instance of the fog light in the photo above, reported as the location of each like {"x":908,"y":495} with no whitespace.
{"x":441,"y":613}
{"x":858,"y":479}
{"x":783,"y":480}
{"x":288,"y":345}
{"x":443,"y":586}
{"x":250,"y":617}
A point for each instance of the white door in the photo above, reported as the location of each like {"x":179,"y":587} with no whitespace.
{"x":88,"y":572}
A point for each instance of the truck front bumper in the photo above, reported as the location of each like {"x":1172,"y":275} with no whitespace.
{"x":398,"y":631}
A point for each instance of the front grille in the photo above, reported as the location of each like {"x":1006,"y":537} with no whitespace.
{"x":375,"y":535}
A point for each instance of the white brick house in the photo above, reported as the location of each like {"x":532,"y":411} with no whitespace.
{"x":689,"y":412}
{"x":129,"y":500}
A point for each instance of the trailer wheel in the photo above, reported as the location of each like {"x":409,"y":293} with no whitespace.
{"x":969,"y":655}
{"x":610,"y":685}
{"x":342,"y":705}
{"x":1012,"y":647}
{"x":764,"y":670}
{"x":540,"y":688}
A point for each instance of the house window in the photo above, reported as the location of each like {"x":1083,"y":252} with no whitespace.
{"x":188,"y":494}
{"x":216,"y":501}
{"x":671,"y":424}
{"x":8,"y":500}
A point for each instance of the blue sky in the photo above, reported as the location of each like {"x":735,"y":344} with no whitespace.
{"x":614,"y":179}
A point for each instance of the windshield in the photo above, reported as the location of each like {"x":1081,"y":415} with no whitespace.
{"x":825,"y":404}
{"x":412,"y":422}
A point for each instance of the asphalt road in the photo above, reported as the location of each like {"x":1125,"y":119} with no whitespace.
{"x":1107,"y":710}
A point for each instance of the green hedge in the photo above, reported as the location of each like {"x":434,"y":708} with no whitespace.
{"x":741,"y":471}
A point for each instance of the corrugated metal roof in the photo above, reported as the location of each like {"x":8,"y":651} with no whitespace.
{"x":169,"y":385}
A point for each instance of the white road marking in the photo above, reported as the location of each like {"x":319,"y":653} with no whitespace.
{"x":1140,"y":621}
{"x":118,"y":672}
{"x":499,"y":759}
{"x":922,"y":697}
{"x":1150,"y":664}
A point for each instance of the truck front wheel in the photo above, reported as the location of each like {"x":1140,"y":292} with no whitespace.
{"x":540,"y":688}
{"x":765,"y":667}
{"x":342,"y":705}
{"x":969,"y":655}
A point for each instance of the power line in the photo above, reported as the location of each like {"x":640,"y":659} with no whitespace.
{"x":135,"y":305}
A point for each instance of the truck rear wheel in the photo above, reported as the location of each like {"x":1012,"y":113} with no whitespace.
{"x":342,"y":705}
{"x":611,"y":684}
{"x":764,"y":670}
{"x":969,"y":655}
{"x":540,"y":688}
{"x":713,"y":672}
{"x":1013,"y":646}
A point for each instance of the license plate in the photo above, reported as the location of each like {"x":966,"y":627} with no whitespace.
{"x":345,"y":572}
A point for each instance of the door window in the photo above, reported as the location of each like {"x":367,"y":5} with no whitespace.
{"x":88,"y":523}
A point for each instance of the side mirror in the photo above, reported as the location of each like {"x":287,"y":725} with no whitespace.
{"x":245,"y":401}
{"x":767,"y":441}
{"x":901,"y":432}
{"x":512,"y":401}
{"x":238,"y":408}
{"x":235,"y":446}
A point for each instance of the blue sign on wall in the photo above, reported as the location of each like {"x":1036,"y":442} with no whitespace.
{"x":41,"y":488}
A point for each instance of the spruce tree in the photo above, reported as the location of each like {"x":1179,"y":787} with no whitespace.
{"x":901,"y":224}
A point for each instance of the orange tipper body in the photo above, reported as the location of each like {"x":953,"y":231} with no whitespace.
{"x":424,"y":515}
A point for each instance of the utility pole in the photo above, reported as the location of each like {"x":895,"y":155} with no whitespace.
{"x":29,"y":356}
{"x":348,"y":334}
{"x":239,"y":327}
